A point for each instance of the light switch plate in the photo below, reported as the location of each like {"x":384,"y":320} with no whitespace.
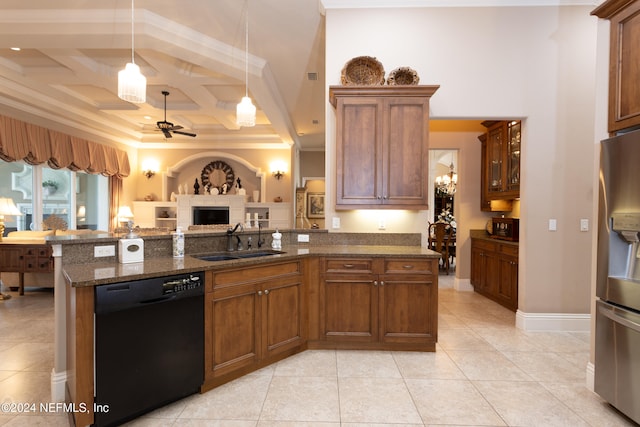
{"x":553,"y":225}
{"x":584,"y":224}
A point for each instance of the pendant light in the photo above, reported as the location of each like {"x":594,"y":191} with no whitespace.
{"x":245,"y":110}
{"x":132,"y":85}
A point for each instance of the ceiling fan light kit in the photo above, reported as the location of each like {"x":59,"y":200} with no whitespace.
{"x":245,"y":110}
{"x":132,"y":85}
{"x":168,"y":127}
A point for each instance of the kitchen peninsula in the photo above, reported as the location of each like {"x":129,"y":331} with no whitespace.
{"x":342,"y":290}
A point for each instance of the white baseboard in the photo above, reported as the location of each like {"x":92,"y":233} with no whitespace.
{"x":553,"y":322}
{"x":58,"y":381}
{"x":591,"y":376}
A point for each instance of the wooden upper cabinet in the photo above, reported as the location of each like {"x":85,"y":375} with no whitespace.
{"x":382,"y":146}
{"x":500,"y":179}
{"x":624,"y":62}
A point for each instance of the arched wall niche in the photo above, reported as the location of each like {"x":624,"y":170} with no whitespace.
{"x":187,"y":169}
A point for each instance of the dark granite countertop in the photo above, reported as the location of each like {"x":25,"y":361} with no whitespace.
{"x":93,"y":274}
{"x":483,"y":235}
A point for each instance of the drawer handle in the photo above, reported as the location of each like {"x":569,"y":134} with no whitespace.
{"x":348,"y":265}
{"x":266,"y":291}
{"x":407,"y":266}
{"x":382,"y":283}
{"x":259,"y":292}
{"x":375,"y":283}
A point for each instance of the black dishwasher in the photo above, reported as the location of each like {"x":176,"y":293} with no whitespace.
{"x":149,"y":345}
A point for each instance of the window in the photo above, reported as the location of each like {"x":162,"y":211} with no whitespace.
{"x":80,"y":199}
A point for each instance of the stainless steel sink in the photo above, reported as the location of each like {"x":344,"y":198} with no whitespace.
{"x":227,"y":256}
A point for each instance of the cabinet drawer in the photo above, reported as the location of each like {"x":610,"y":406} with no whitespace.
{"x":509,"y":250}
{"x":348,"y":265}
{"x":241,"y":275}
{"x":410,"y":266}
{"x":485,"y":245}
{"x":37,"y":251}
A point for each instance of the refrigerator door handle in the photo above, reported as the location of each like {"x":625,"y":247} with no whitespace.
{"x":608,"y":312}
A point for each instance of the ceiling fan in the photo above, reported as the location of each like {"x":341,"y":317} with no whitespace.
{"x":168,"y":127}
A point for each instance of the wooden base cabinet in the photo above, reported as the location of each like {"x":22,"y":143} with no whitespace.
{"x":494,"y":271}
{"x":377,"y":303}
{"x":25,"y":258}
{"x":253,"y":317}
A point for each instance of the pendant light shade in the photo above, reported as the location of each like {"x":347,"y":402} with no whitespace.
{"x":132,"y":85}
{"x":245,"y":110}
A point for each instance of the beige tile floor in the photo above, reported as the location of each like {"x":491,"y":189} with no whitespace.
{"x":485,"y":372}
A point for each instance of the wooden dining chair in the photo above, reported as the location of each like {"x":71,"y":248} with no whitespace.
{"x":437,"y":233}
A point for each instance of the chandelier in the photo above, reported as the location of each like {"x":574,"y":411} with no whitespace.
{"x":245,"y":110}
{"x":132,"y":85}
{"x":446,"y":184}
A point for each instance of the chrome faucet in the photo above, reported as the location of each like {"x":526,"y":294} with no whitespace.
{"x":230,"y":232}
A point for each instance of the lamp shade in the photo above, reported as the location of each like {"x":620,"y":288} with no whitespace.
{"x":7,"y":207}
{"x":124,"y":214}
{"x":246,"y":112}
{"x":132,"y":85}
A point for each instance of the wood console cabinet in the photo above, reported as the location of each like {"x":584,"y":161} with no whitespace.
{"x":377,"y":303}
{"x":25,"y":258}
{"x":253,"y":317}
{"x":494,"y":271}
{"x":382,"y":146}
{"x":624,"y":72}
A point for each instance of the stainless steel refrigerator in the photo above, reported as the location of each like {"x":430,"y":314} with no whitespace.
{"x":617,"y":356}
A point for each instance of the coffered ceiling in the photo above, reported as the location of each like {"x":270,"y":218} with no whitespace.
{"x":65,"y":74}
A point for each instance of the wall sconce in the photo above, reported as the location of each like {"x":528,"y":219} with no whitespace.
{"x":278,"y":169}
{"x":149,"y":168}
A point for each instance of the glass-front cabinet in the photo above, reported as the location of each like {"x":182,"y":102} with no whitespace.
{"x":513,"y":156}
{"x":501,"y":161}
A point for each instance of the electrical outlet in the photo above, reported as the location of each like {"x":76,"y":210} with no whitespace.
{"x":382,"y":224}
{"x":335,"y":223}
{"x":303,"y":238}
{"x":103,"y":251}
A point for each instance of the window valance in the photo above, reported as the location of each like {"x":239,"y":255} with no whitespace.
{"x":36,"y":145}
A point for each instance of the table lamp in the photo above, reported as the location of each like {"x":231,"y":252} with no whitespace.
{"x":7,"y":207}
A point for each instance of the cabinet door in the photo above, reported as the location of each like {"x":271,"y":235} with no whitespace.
{"x":282,"y":315}
{"x":476,"y":266}
{"x":408,"y":309}
{"x":349,"y":308}
{"x":358,"y":151}
{"x":405,"y":152}
{"x":513,"y":157}
{"x":11,"y":258}
{"x":495,"y":143}
{"x":232,"y":324}
{"x":507,"y":291}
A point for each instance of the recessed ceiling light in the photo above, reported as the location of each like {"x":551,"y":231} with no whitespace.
{"x":15,"y":48}
{"x":147,"y":117}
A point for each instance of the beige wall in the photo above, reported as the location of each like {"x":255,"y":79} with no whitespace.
{"x":533,"y":63}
